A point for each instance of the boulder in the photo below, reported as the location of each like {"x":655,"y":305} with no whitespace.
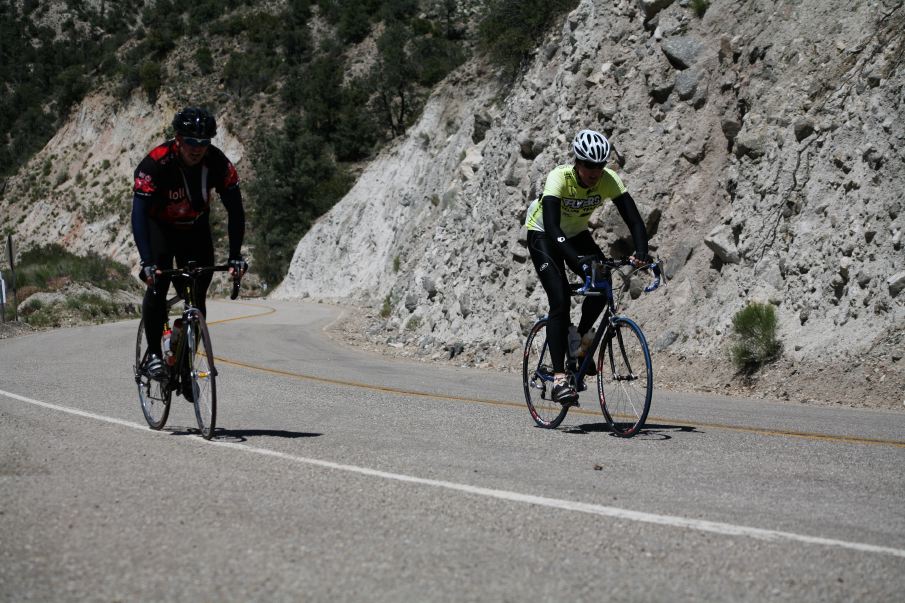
{"x":896,"y":283}
{"x":804,"y":127}
{"x":731,"y":127}
{"x":652,"y":7}
{"x":722,"y":242}
{"x":682,"y":52}
{"x":687,"y":83}
{"x":751,"y":143}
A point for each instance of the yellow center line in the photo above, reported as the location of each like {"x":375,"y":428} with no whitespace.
{"x":521,"y":405}
{"x":368,"y":386}
{"x":223,"y":320}
{"x":651,"y":421}
{"x":805,"y":435}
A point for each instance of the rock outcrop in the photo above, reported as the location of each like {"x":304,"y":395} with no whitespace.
{"x":761,"y":142}
{"x":78,"y":190}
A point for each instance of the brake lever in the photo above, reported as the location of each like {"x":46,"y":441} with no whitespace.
{"x":654,"y":267}
{"x":584,"y":288}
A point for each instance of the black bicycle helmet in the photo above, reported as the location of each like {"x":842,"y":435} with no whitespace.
{"x":195,"y":123}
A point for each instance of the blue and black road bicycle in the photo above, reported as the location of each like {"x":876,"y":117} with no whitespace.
{"x":619,"y":352}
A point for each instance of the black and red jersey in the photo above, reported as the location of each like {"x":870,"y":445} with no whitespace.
{"x":179,"y":196}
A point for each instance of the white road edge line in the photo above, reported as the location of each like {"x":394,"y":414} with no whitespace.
{"x":552,"y":503}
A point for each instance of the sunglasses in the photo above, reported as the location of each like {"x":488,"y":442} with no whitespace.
{"x":196,"y":142}
{"x":591,"y":165}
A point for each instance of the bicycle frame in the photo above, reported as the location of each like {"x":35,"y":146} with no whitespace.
{"x":592,"y":288}
{"x":190,"y":312}
{"x":191,"y":371}
{"x":624,"y":386}
{"x":604,"y":333}
{"x":182,"y":349}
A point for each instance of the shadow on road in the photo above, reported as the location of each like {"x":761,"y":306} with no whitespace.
{"x":242,"y":435}
{"x":651,"y":431}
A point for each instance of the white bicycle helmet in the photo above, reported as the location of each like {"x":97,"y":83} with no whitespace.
{"x":591,"y":146}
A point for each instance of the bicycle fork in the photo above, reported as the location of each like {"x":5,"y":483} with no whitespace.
{"x":605,"y":340}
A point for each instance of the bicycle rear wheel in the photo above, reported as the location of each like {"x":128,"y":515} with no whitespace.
{"x":625,"y":378}
{"x":537,"y":378}
{"x":153,"y":395}
{"x":200,"y":385}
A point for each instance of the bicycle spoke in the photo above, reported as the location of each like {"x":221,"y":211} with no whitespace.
{"x":200,"y":382}
{"x":154,"y":396}
{"x":625,"y":383}
{"x":537,"y":378}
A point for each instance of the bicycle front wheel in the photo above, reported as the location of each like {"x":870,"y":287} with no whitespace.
{"x":153,"y":395}
{"x":625,"y":378}
{"x":200,"y":378}
{"x":537,"y":378}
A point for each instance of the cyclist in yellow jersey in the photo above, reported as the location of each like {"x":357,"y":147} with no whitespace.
{"x":558,"y":235}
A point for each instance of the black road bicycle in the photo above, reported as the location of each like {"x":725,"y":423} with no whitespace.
{"x":625,"y":376}
{"x":190,"y":371}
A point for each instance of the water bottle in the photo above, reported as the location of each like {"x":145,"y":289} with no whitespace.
{"x":175,"y":336}
{"x":168,"y":356}
{"x":586,"y":340}
{"x":574,"y":341}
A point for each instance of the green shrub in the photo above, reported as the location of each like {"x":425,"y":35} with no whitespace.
{"x":699,"y":7}
{"x":150,"y":75}
{"x":205,"y":60}
{"x":40,"y":266}
{"x":351,"y":19}
{"x":297,"y":181}
{"x":394,"y":77}
{"x":437,"y":57}
{"x":387,"y":308}
{"x":754,"y":330}
{"x":250,"y":71}
{"x":83,"y":307}
{"x":510,"y":30}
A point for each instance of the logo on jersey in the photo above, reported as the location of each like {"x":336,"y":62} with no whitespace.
{"x":144,"y":184}
{"x":179,"y":212}
{"x":582,"y":203}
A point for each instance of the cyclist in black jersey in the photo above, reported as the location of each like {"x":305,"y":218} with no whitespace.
{"x":558,"y":235}
{"x":171,"y":216}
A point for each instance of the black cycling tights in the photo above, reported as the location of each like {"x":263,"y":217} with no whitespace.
{"x":550,"y":267}
{"x":168,"y":244}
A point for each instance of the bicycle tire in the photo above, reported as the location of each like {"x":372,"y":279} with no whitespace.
{"x":537,"y":379}
{"x":154,"y":396}
{"x":201,"y":374}
{"x":625,"y":378}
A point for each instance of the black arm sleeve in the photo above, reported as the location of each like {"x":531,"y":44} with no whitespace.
{"x":232,"y":201}
{"x":629,"y":212}
{"x":141,"y":232}
{"x":552,"y":228}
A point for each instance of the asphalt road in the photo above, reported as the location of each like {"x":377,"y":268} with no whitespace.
{"x":338,"y":475}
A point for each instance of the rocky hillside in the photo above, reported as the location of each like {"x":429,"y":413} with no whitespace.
{"x":78,"y":191}
{"x":762,"y":141}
